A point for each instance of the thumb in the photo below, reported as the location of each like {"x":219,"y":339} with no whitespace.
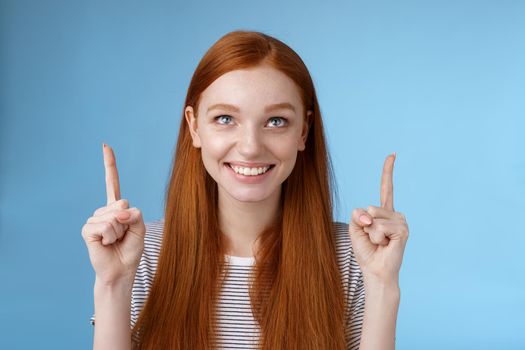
{"x":361,"y":218}
{"x":361,"y":244}
{"x":133,"y":218}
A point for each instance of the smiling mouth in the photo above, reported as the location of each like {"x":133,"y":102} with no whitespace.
{"x":271,"y":166}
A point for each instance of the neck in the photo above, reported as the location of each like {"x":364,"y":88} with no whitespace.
{"x":241,"y":222}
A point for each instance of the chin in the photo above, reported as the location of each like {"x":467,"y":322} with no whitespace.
{"x":248,"y":195}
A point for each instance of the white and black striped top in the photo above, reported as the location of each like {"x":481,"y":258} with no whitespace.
{"x":237,"y":328}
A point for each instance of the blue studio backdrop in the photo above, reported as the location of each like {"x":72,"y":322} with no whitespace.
{"x":442,"y":83}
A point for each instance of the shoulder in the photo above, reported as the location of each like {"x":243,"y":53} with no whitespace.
{"x":344,"y":250}
{"x":154,"y":231}
{"x":352,"y":279}
{"x":152,"y":245}
{"x":342,"y":240}
{"x":340,"y":230}
{"x":147,"y":267}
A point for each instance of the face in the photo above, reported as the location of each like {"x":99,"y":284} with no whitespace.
{"x":251,"y":120}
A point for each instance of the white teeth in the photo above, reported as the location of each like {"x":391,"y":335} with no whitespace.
{"x":249,"y":171}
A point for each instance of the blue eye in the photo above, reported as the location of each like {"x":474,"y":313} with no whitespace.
{"x":283,"y":119}
{"x":222,"y":116}
{"x":283,"y":123}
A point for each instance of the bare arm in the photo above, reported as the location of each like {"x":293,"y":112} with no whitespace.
{"x":114,"y":236}
{"x":112,"y":313}
{"x":379,"y":236}
{"x":379,"y":324}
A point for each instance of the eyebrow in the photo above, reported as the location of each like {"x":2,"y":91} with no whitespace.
{"x":269,"y":108}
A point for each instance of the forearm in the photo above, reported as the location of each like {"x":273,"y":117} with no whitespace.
{"x":112,"y":316}
{"x":379,"y":324}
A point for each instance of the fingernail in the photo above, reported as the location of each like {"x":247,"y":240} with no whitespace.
{"x":365,"y":219}
{"x":104,"y":145}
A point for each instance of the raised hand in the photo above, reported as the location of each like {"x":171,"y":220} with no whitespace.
{"x":114,"y":235}
{"x":379,"y":234}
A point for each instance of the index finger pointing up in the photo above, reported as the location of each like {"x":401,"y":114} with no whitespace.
{"x":112,"y":182}
{"x":387,"y":187}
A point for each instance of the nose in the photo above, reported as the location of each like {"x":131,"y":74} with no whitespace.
{"x":249,"y":142}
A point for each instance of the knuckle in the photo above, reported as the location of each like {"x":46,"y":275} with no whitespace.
{"x":107,"y":227}
{"x":357,"y":211}
{"x":375,"y":239}
{"x":113,"y":221}
{"x":122,"y":203}
{"x":110,"y":237}
{"x":401,"y":215}
{"x":83,"y":230}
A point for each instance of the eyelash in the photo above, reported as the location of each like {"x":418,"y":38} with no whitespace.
{"x":284,"y":119}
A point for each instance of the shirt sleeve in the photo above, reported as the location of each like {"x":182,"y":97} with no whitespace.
{"x":355,"y":300}
{"x":356,"y":307}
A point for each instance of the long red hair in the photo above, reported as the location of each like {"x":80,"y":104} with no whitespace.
{"x":297,"y":294}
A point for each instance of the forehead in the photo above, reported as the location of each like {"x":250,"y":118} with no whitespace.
{"x":252,"y":89}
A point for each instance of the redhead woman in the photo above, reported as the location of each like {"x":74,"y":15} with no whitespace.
{"x":247,"y":255}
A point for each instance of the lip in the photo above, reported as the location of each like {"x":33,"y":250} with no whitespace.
{"x":250,"y":165}
{"x":249,"y":179}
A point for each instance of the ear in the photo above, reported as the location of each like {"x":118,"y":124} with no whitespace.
{"x":306,"y":128}
{"x":191,"y":119}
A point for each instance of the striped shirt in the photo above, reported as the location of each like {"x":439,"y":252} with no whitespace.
{"x":237,"y":328}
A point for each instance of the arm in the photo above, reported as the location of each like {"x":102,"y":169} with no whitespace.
{"x":112,"y":310}
{"x":379,"y":324}
{"x":379,"y":236}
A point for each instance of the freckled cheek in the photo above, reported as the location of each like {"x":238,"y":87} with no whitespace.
{"x":284,"y":149}
{"x":215,"y":148}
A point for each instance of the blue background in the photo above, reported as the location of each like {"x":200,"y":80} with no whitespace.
{"x":442,"y":83}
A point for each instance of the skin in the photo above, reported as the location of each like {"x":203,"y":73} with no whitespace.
{"x":114,"y":236}
{"x":249,"y":135}
{"x":378,"y":245}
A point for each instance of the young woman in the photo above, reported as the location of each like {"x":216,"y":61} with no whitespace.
{"x":247,"y":255}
